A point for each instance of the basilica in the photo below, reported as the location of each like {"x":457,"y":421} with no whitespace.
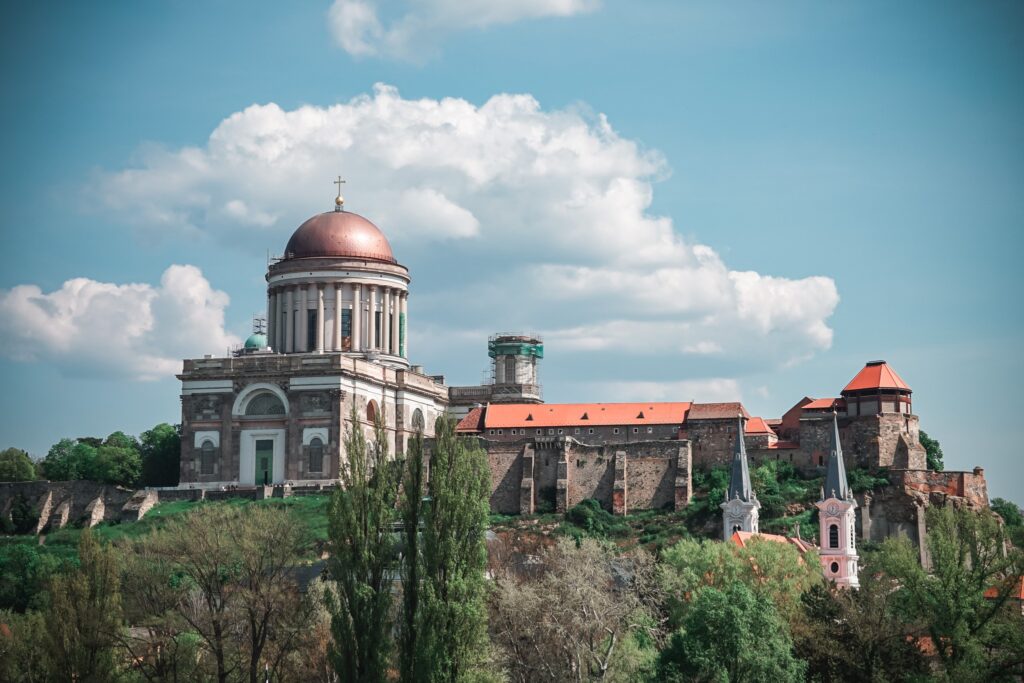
{"x":276,"y":411}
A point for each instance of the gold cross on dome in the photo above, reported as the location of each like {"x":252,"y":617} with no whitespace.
{"x":339,"y":182}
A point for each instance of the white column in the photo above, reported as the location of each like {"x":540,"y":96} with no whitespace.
{"x":386,"y":321}
{"x":289,"y":322}
{"x":320,"y":319}
{"x":405,"y":313}
{"x":337,"y":317}
{"x":279,"y":320}
{"x":270,"y":319}
{"x":303,"y":327}
{"x":396,"y":307}
{"x":371,"y":332}
{"x":357,"y":318}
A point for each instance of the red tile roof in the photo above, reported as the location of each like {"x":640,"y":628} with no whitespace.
{"x":502,"y":415}
{"x":716,"y":411}
{"x":825,"y":404}
{"x":757,"y":425}
{"x":741,"y":538}
{"x":1016,"y":593}
{"x":473,"y":422}
{"x":876,"y":375}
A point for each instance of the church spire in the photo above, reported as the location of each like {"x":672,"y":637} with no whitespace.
{"x":739,"y":482}
{"x":835,"y":476}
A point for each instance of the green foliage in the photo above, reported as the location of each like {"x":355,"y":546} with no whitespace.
{"x":1013,"y":518}
{"x":730,"y":634}
{"x":932,"y":450}
{"x":16,"y":465}
{"x":84,"y":617}
{"x":776,"y":571}
{"x":861,"y":480}
{"x":413,"y":490}
{"x":452,"y":615}
{"x":856,"y":635}
{"x":593,"y":520}
{"x":160,"y":450}
{"x":25,"y":571}
{"x":24,"y":517}
{"x":23,"y":655}
{"x":972,"y":633}
{"x":362,"y":545}
{"x":115,"y":460}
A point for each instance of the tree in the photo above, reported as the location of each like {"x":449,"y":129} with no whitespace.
{"x":229,"y":571}
{"x":25,"y":573}
{"x":360,"y":517}
{"x":774,"y":570}
{"x":412,"y":520}
{"x":730,"y":634}
{"x":23,"y":655}
{"x":452,"y":614}
{"x":856,"y":635}
{"x":67,"y":460}
{"x":16,"y":465}
{"x":161,"y":456}
{"x":582,"y":618}
{"x":975,"y":637}
{"x":84,"y":616}
{"x":117,"y":461}
{"x":1013,"y":518}
{"x":933,"y":451}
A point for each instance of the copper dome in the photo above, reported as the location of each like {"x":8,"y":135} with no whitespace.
{"x":339,"y":233}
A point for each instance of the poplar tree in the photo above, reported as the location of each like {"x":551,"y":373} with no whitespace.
{"x":84,"y":616}
{"x":360,"y":517}
{"x":412,"y":517}
{"x":451,"y":614}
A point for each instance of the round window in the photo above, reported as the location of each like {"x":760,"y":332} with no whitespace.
{"x":834,"y":567}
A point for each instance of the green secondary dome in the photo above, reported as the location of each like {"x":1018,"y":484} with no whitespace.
{"x":256,"y":341}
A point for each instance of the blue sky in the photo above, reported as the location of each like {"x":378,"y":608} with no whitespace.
{"x":690,"y":200}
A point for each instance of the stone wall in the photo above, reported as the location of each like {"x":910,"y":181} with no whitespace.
{"x":66,"y":502}
{"x":555,"y":474}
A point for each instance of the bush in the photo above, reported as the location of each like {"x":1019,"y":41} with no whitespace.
{"x":590,"y":518}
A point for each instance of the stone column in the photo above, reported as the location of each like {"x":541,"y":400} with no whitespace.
{"x":280,"y":320}
{"x":289,"y":324}
{"x":396,"y":309}
{"x":404,"y":350}
{"x":336,"y":332}
{"x":321,"y":319}
{"x":385,"y":313}
{"x":371,"y":333}
{"x":357,"y":318}
{"x":302,"y":328}
{"x":271,"y":331}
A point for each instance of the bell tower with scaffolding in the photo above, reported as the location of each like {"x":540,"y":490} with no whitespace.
{"x":514,"y":367}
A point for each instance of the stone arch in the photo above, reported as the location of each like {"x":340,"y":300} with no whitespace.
{"x":252,"y":391}
{"x":418,"y":423}
{"x":372,"y":411}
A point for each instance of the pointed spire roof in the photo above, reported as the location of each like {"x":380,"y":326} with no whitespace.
{"x":835,"y":476}
{"x":739,"y":482}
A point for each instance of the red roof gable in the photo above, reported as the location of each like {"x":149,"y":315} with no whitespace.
{"x":473,"y":422}
{"x":876,"y":375}
{"x":716,"y":411}
{"x":502,"y":415}
{"x":741,"y":538}
{"x":825,"y":404}
{"x":757,"y":425}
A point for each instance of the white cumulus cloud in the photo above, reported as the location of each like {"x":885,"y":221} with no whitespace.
{"x":413,"y":30}
{"x":95,"y":328}
{"x":510,"y":216}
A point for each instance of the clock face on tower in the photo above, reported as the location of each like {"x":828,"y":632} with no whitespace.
{"x":832,"y":509}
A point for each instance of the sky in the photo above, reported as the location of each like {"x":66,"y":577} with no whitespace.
{"x":688,"y":200}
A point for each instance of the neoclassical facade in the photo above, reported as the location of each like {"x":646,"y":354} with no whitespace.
{"x":277,"y":410}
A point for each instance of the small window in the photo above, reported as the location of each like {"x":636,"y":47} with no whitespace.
{"x":316,"y":455}
{"x":576,"y":431}
{"x":501,"y":432}
{"x":650,"y":430}
{"x":834,"y":567}
{"x":636,"y":430}
{"x":561,"y":431}
{"x":590,"y":430}
{"x":615,"y":430}
{"x":491,"y":432}
{"x":206,"y":457}
{"x":539,"y":432}
{"x":371,"y":412}
{"x":551,"y":431}
{"x":833,"y":535}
